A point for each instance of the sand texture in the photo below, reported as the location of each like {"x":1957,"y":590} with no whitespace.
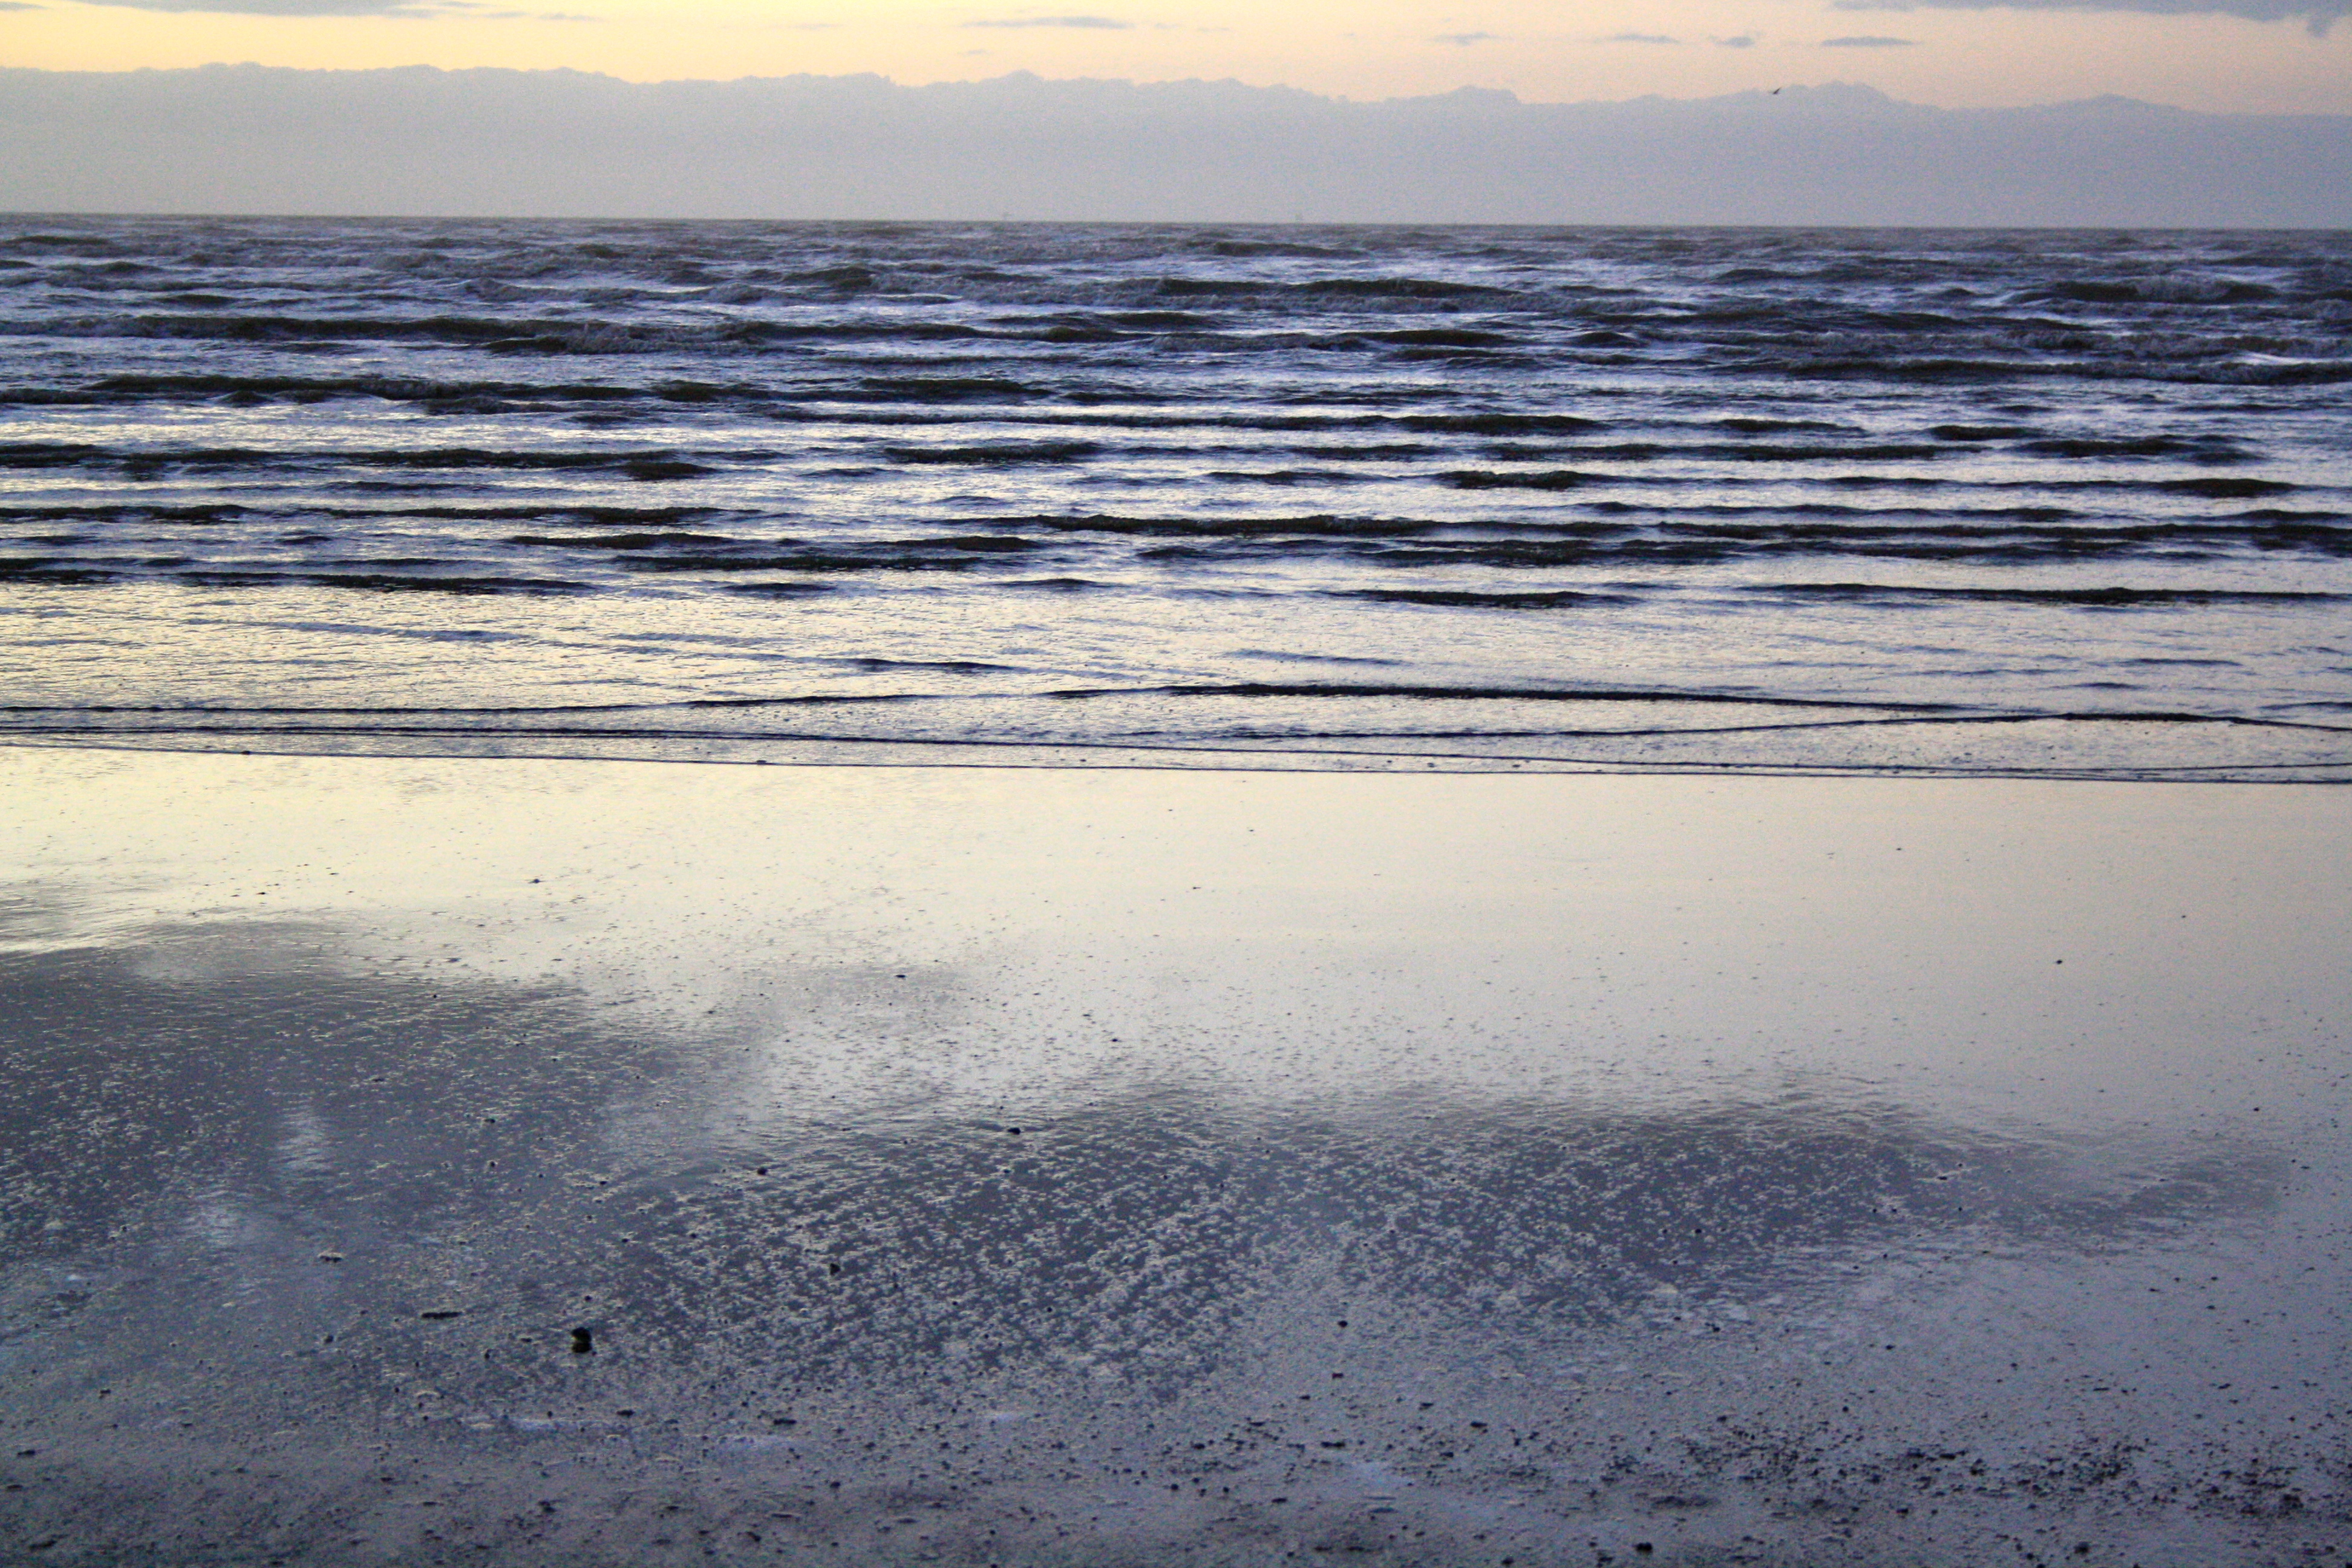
{"x":466,"y":1161}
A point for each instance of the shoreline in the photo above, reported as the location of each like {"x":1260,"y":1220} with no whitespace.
{"x":1208,"y":759}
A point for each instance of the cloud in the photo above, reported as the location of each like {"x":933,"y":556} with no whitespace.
{"x":1639,"y":39}
{"x":1465,"y":39}
{"x":454,"y":10}
{"x":1869,"y":41}
{"x":419,"y":140}
{"x":1744,"y":41}
{"x":19,"y":5}
{"x":2317,"y":15}
{"x":1101,"y":24}
{"x":277,"y":8}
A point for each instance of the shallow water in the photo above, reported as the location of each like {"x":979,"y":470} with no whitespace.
{"x":978,"y":1165}
{"x":2027,"y":502}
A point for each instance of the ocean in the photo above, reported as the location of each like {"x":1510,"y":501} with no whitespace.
{"x":2021,"y":503}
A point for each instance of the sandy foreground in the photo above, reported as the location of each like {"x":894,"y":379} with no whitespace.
{"x":499,"y":1161}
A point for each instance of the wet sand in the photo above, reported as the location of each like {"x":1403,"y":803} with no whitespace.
{"x":493,"y":1161}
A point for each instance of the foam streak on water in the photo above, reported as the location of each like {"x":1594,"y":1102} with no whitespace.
{"x":2016,"y":502}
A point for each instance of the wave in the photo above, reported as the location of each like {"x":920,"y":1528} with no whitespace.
{"x":1614,"y":499}
{"x":998,"y":453}
{"x":1314,"y":691}
{"x":1630,"y":731}
{"x":1730,"y":452}
{"x":259,"y":545}
{"x":636,"y":464}
{"x":1463,"y":598}
{"x":2088,"y":599}
{"x":2164,"y":290}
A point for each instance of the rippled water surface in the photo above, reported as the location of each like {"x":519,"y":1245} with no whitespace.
{"x":2021,"y":502}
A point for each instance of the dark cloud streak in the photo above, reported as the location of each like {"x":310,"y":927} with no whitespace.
{"x":280,"y":7}
{"x":2319,"y":15}
{"x":1085,"y":24}
{"x":459,"y":10}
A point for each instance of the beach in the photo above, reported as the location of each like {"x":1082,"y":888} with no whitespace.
{"x":426,"y":1158}
{"x":1089,"y":894}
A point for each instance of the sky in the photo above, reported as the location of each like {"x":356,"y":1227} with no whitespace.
{"x":2267,"y":57}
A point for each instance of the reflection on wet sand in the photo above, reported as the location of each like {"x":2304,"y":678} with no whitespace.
{"x":315,"y":1259}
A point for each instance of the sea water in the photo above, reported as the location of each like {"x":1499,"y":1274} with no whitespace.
{"x":2019,"y":502}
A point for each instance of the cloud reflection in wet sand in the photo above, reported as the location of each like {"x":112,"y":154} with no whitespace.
{"x":263,"y":1209}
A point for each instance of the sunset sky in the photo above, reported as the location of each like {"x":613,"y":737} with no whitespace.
{"x":2260,"y":56}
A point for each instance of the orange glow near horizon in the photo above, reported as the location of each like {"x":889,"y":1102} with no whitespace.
{"x":1573,"y":50}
